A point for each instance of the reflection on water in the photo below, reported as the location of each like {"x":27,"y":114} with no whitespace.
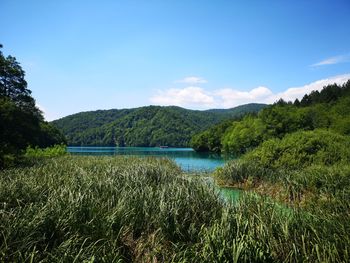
{"x":187,"y":158}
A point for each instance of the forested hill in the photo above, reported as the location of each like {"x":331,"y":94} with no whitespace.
{"x":144,"y":126}
{"x":328,"y":109}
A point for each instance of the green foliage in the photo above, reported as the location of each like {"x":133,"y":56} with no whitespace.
{"x":14,"y":86}
{"x":21,"y":122}
{"x":259,"y":230}
{"x":210,"y":140}
{"x":243,"y":135}
{"x":328,"y":94}
{"x":282,"y":119}
{"x":320,"y":190}
{"x":301,"y":149}
{"x":329,"y":186}
{"x":240,"y":171}
{"x":77,"y":208}
{"x":328,"y":109}
{"x":56,"y":150}
{"x":124,"y":209}
{"x":315,"y":211}
{"x":145,"y":126}
{"x":308,"y":168}
{"x":294,"y":162}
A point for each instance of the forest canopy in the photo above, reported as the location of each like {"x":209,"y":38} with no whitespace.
{"x":326,"y":109}
{"x":144,"y":126}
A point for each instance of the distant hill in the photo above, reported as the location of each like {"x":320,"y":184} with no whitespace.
{"x":144,"y":126}
{"x":240,"y":110}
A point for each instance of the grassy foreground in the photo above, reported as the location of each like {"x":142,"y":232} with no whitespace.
{"x":108,"y":209}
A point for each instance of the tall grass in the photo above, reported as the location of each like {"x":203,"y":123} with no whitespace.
{"x":123,"y":209}
{"x":316,"y":222}
{"x":77,"y":208}
{"x":259,"y":230}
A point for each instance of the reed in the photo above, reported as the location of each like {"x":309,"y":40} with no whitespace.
{"x":76,"y":208}
{"x":123,"y":209}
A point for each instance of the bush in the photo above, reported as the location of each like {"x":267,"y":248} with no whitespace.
{"x":302,"y":149}
{"x":240,"y":171}
{"x":53,"y":151}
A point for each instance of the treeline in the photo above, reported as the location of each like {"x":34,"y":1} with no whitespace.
{"x":21,"y":122}
{"x":326,"y":109}
{"x":144,"y":126}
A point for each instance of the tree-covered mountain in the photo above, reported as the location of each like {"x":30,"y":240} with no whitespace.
{"x":144,"y":126}
{"x":326,"y":109}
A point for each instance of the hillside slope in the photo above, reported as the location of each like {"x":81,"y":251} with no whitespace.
{"x":144,"y":126}
{"x":327,"y":109}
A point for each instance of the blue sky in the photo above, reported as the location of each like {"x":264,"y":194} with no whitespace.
{"x":87,"y":55}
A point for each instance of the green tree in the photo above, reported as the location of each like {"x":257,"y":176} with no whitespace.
{"x":21,"y":122}
{"x":14,"y":86}
{"x":244,"y":135}
{"x":325,"y":109}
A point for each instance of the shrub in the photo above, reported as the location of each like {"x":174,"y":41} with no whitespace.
{"x":302,"y":149}
{"x":53,"y":151}
{"x":240,"y":171}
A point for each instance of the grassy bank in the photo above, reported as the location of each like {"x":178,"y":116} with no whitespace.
{"x":108,"y":209}
{"x":308,"y":173}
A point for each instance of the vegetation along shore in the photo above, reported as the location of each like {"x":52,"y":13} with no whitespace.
{"x":292,"y":165}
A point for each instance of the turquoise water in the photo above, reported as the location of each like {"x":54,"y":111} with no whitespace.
{"x":230,"y":194}
{"x":186,"y":158}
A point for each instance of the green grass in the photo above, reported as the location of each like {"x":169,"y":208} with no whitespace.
{"x":123,"y":209}
{"x":76,"y":208}
{"x":308,"y":174}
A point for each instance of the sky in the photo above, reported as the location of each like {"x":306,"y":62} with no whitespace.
{"x":82,"y":55}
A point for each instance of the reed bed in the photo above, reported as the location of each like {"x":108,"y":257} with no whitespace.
{"x":315,"y":199}
{"x":128,"y":209}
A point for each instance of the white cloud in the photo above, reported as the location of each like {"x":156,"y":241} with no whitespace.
{"x":192,"y":80}
{"x":231,"y":98}
{"x":186,"y":97}
{"x":332,"y":60}
{"x":197,"y":97}
{"x":298,"y":92}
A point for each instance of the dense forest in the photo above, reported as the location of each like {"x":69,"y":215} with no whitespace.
{"x":326,"y":109}
{"x":21,"y":122}
{"x":144,"y":126}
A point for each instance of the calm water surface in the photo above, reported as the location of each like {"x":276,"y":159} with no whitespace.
{"x":186,"y":158}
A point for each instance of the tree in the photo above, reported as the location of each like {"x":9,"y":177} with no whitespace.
{"x":244,"y":135}
{"x":21,"y":122}
{"x":14,"y":86}
{"x":297,"y":103}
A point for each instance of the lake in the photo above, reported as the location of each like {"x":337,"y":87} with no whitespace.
{"x":186,"y":158}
